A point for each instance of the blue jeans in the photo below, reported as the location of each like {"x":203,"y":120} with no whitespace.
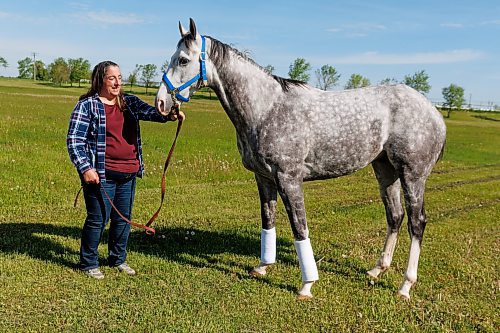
{"x":121,"y":190}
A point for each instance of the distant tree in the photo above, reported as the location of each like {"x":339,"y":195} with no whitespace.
{"x":298,"y":70}
{"x":454,"y":97}
{"x":164,"y":67}
{"x":25,"y":68}
{"x":357,"y":81}
{"x":3,"y":62}
{"x":269,"y":69}
{"x":327,"y":77}
{"x":78,"y":70}
{"x":42,"y":73}
{"x":134,"y":76}
{"x":148,"y":72}
{"x":418,"y":81}
{"x":388,"y":81}
{"x":59,"y":71}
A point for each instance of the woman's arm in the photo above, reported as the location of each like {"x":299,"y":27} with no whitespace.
{"x":144,"y":111}
{"x":76,"y":139}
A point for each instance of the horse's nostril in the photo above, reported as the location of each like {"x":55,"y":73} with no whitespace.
{"x":161,"y":106}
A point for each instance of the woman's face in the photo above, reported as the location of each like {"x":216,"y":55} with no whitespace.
{"x":112,"y":82}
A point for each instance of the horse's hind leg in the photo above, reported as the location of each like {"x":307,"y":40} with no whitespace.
{"x":390,"y":188}
{"x":268,"y":200}
{"x":413,"y":188}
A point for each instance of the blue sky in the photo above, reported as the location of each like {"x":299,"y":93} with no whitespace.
{"x":453,"y":41}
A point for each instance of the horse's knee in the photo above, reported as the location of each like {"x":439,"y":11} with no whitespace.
{"x":394,"y":220}
{"x":416,"y":226}
{"x":300,"y":234}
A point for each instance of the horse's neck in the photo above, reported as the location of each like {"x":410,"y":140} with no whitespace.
{"x":245,"y":91}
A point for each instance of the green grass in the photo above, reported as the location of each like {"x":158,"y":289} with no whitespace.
{"x":198,"y":281}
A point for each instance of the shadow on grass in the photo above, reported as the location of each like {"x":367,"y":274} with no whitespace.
{"x":198,"y":248}
{"x":193,"y":247}
{"x":35,"y":240}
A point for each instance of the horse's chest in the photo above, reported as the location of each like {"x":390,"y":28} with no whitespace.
{"x":251,"y":154}
{"x":247,"y":152}
{"x":268,"y":147}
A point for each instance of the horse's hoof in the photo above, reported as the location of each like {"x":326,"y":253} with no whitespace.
{"x":301,"y":297}
{"x":256,"y":273}
{"x":376,"y":272}
{"x":371,"y":274}
{"x":403,"y":296}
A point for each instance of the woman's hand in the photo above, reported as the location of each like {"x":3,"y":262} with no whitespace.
{"x":91,"y":177}
{"x":181,"y":116}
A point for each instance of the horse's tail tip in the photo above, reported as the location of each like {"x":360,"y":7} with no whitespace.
{"x":441,"y":153}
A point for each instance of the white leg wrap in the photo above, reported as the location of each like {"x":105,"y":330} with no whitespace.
{"x":306,"y":260}
{"x":268,"y":246}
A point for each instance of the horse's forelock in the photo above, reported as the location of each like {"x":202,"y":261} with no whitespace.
{"x":187,"y":39}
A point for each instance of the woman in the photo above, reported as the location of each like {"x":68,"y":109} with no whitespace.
{"x":104,"y":144}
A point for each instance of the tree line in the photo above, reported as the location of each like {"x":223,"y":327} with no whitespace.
{"x":63,"y":71}
{"x":327,"y":77}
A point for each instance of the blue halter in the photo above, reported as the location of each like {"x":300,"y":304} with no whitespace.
{"x":175,"y":92}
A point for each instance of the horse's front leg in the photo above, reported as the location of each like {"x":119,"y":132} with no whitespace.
{"x":290,"y":190}
{"x":268,"y":200}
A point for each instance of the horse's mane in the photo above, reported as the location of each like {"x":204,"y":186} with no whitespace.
{"x":219,"y":53}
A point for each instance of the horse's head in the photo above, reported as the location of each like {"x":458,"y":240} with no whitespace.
{"x":185,"y":73}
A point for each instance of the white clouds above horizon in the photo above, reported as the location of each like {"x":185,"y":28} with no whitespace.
{"x":493,"y":22}
{"x":361,"y":29}
{"x":452,"y":25}
{"x":105,"y":17}
{"x":102,"y":18}
{"x":442,"y":57}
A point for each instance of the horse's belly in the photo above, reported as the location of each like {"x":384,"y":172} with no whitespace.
{"x":336,"y":161}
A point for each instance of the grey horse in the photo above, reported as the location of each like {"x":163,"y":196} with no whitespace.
{"x":289,"y":132}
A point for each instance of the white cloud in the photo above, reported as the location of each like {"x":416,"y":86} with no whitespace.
{"x":494,"y":22}
{"x":80,"y":6}
{"x":358,"y":29}
{"x":443,"y":57}
{"x":24,"y":19}
{"x":104,"y":17}
{"x":452,"y":25}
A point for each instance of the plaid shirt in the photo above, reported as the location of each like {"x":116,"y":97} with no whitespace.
{"x":86,"y":139}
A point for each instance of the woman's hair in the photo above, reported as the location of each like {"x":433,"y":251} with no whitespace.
{"x":97,"y":81}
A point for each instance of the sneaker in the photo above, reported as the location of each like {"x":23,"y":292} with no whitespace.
{"x":95,"y":273}
{"x":126,"y":268}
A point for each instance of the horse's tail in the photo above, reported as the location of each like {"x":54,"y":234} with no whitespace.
{"x":442,"y":151}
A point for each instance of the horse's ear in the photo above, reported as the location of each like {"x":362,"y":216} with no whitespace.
{"x":182,"y":30}
{"x":192,"y":27}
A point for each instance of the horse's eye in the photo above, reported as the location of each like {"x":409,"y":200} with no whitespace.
{"x":183,"y":61}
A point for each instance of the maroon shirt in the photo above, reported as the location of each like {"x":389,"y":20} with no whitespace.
{"x":121,"y":140}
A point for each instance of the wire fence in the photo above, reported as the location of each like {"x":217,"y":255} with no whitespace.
{"x":487,"y":106}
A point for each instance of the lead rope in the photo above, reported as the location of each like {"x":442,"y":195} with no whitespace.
{"x":149,"y":231}
{"x":163,"y":186}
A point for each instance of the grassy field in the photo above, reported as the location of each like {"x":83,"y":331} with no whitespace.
{"x":193,"y":273}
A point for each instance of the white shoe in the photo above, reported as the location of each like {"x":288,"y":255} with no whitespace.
{"x":95,"y":273}
{"x":125,"y":268}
